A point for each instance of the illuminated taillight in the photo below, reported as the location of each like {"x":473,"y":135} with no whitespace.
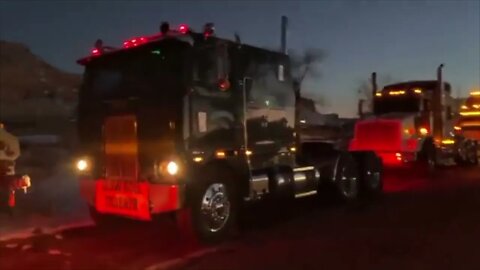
{"x":423,"y":131}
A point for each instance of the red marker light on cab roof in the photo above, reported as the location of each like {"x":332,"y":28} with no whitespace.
{"x":134,"y":42}
{"x":96,"y":51}
{"x":183,"y":29}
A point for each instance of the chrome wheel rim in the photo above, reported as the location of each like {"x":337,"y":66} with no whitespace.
{"x":215,"y":207}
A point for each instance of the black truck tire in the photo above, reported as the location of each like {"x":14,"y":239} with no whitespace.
{"x":371,"y":174}
{"x":346,"y":177}
{"x":211,"y":213}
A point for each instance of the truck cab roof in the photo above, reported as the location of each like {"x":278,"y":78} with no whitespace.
{"x":424,"y":85}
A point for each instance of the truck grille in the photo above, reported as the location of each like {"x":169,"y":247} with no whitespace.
{"x":121,"y":147}
{"x":378,"y":135}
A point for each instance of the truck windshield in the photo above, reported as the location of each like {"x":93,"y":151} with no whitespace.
{"x":152,"y":71}
{"x":388,"y":104}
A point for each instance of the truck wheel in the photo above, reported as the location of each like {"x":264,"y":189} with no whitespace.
{"x":371,"y":174}
{"x":347,"y":177}
{"x":214,"y":207}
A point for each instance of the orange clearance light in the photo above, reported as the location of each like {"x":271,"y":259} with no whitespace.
{"x":475,"y":93}
{"x":378,"y":94}
{"x":457,"y":128}
{"x":293,"y":149}
{"x":397,"y":93}
{"x":248,"y":153}
{"x":448,"y":141}
{"x":423,"y":131}
{"x":197,"y":159}
{"x":417,"y":91}
{"x":470,"y":113}
{"x":220,"y":154}
{"x":464,"y":107}
{"x":408,"y":131}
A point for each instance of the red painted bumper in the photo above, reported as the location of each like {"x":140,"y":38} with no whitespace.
{"x":138,"y":200}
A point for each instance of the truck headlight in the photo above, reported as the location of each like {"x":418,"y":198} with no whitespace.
{"x":169,"y":168}
{"x":82,"y":165}
{"x":172,"y":168}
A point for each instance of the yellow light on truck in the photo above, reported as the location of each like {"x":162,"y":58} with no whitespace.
{"x":172,"y":168}
{"x":464,"y":107}
{"x":448,"y":141}
{"x":293,"y":149}
{"x":476,"y":106}
{"x":248,"y":153}
{"x":396,"y":93}
{"x":457,"y":128}
{"x":475,"y":93}
{"x":82,"y":165}
{"x":417,"y":91}
{"x":423,"y":131}
{"x":470,"y":113}
{"x":378,"y":94}
{"x":197,"y":159}
{"x":220,"y":154}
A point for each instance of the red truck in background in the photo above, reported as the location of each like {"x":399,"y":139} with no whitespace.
{"x":469,"y":121}
{"x":413,"y":123}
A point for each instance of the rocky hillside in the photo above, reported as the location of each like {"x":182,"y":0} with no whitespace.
{"x":32,"y":92}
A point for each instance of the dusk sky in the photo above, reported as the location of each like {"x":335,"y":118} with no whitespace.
{"x":405,"y":40}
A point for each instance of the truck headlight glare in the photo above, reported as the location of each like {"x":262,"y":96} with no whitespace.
{"x":172,"y":168}
{"x":82,"y":165}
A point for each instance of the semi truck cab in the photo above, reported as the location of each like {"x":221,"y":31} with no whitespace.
{"x":413,"y":123}
{"x":187,"y":123}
